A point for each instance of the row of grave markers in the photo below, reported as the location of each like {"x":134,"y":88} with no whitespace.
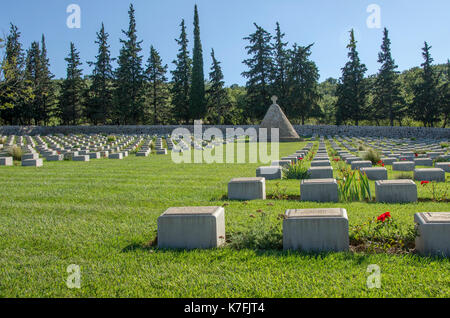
{"x":309,"y":230}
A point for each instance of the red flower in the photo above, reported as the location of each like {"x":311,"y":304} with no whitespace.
{"x":384,"y":216}
{"x":416,"y":154}
{"x":382,"y":164}
{"x":336,"y":159}
{"x":424,"y":182}
{"x":300,"y":158}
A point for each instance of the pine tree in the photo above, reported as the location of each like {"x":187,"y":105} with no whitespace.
{"x":197,"y":95}
{"x":72,"y":88}
{"x":98,"y":105}
{"x":425,"y":106}
{"x":351,"y":90}
{"x":303,"y":76}
{"x":47,"y":101}
{"x":279,"y":76}
{"x":15,"y":89}
{"x":158,"y":94}
{"x":219,"y":105}
{"x":260,"y":68}
{"x":388,"y":102}
{"x":181,"y":77}
{"x":129,"y":77}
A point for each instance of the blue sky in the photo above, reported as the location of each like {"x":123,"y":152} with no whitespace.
{"x":223,"y":24}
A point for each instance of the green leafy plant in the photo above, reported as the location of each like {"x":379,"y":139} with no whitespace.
{"x":279,"y":193}
{"x":15,"y":152}
{"x":383,"y":234}
{"x":403,"y":175}
{"x":373,"y":156}
{"x":111,"y":138}
{"x":438,"y":192}
{"x":264,"y":234}
{"x":354,"y":187}
{"x":440,"y":159}
{"x":296,"y":171}
{"x":444,"y":145}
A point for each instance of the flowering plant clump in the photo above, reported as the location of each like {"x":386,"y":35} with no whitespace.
{"x":438,"y":192}
{"x":380,"y":163}
{"x":383,"y":234}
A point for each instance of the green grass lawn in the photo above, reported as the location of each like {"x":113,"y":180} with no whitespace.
{"x":101,"y":215}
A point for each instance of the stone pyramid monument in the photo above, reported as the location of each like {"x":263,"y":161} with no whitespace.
{"x":275,"y":118}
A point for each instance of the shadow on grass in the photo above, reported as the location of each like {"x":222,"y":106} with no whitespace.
{"x":446,"y":200}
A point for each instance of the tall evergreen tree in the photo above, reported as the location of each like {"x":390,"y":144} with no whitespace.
{"x":281,"y":61}
{"x":425,"y":106}
{"x":47,"y":101}
{"x":129,"y":77}
{"x":158,"y":94}
{"x":351,"y":90}
{"x":260,"y":68}
{"x":197,"y":100}
{"x":72,"y":88}
{"x":99,"y":103}
{"x":445,"y":96}
{"x":303,"y":76}
{"x":181,"y":78}
{"x":33,"y":73}
{"x":219,"y":105}
{"x":388,"y":102}
{"x":15,"y":89}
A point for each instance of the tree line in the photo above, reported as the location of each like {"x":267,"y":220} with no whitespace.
{"x":138,"y":93}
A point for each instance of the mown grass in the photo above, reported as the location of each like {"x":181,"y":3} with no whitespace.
{"x":102,"y":215}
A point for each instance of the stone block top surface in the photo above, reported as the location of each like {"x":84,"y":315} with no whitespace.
{"x":373,"y":169}
{"x":321,"y":167}
{"x":192,"y":210}
{"x":319,"y":181}
{"x":429,"y":169}
{"x":435,"y":217}
{"x":395,"y":182}
{"x":248,"y":179}
{"x":311,"y":213}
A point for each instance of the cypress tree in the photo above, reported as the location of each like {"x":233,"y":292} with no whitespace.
{"x":129,"y":77}
{"x":259,"y":72}
{"x":157,"y":87}
{"x":197,"y":96}
{"x":181,"y":77}
{"x":48,"y":98}
{"x":219,"y":104}
{"x":388,"y":102}
{"x":351,"y":90}
{"x":33,"y":73}
{"x":303,"y":76}
{"x":71,"y":99}
{"x":445,"y":96}
{"x":279,"y":76}
{"x":98,"y":106}
{"x":425,"y":106}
